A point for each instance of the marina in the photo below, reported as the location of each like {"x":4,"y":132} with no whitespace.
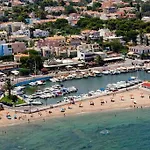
{"x":51,"y":93}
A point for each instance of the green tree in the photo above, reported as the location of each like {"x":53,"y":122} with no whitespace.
{"x":115,"y":46}
{"x":132,"y":35}
{"x":148,"y":29}
{"x":31,"y":52}
{"x":96,"y":5}
{"x":24,"y":71}
{"x":69,"y":9}
{"x":61,"y":23}
{"x":98,"y":60}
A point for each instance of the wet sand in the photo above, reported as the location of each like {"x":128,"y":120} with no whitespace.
{"x":132,"y":99}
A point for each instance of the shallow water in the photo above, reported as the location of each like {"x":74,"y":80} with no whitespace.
{"x":126,"y":130}
{"x":90,"y":84}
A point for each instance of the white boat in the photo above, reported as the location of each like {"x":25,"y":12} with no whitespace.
{"x":18,"y":88}
{"x":132,"y":78}
{"x":106,"y":72}
{"x":148,"y":71}
{"x":36,"y":103}
{"x":54,"y":80}
{"x":32,"y":83}
{"x":97,"y":73}
{"x":40,"y":82}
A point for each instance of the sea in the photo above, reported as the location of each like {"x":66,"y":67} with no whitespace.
{"x":89,"y":84}
{"x":116,"y":130}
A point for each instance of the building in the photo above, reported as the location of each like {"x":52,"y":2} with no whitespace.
{"x":73,"y":18}
{"x":14,"y":38}
{"x":18,"y":47}
{"x":146,"y":19}
{"x":140,"y":49}
{"x":90,"y":34}
{"x":17,"y":57}
{"x":113,"y":38}
{"x":64,"y":51}
{"x":40,"y":33}
{"x":22,"y":32}
{"x":73,"y":40}
{"x":54,"y":41}
{"x":58,"y":9}
{"x":11,"y":26}
{"x":88,"y":47}
{"x":108,"y":7}
{"x":9,"y":65}
{"x":87,"y":52}
{"x":5,"y":49}
{"x":108,"y":35}
{"x":105,"y":33}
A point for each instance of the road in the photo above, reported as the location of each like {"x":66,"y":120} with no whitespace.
{"x":126,"y":63}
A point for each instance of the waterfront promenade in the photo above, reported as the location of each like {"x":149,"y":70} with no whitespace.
{"x":127,"y":63}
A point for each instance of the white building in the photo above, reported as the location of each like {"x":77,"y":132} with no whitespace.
{"x":87,"y":52}
{"x":140,"y":49}
{"x":88,"y":47}
{"x":92,"y":34}
{"x":105,"y":32}
{"x":22,"y":32}
{"x":40,"y":33}
{"x":108,"y":35}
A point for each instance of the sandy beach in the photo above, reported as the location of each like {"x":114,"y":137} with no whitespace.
{"x":132,"y":99}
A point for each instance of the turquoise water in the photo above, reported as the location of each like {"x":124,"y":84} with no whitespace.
{"x":125,"y":130}
{"x":90,"y":84}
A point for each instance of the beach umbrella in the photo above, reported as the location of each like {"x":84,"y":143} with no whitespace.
{"x":102,"y":101}
{"x":102,"y":89}
{"x":131,"y":96}
{"x":80,"y":104}
{"x":142,"y":95}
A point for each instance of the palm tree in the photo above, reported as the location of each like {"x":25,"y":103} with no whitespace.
{"x":8,"y":86}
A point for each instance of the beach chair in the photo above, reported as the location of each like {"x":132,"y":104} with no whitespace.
{"x":15,"y":117}
{"x":8,"y":116}
{"x":80,"y":105}
{"x":92,"y":103}
{"x":62,"y":109}
{"x":112,"y":100}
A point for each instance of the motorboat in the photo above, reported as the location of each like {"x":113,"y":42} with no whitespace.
{"x":36,"y":103}
{"x":97,"y":73}
{"x":33,"y":83}
{"x":54,"y":80}
{"x":106,"y":72}
{"x":40,"y":82}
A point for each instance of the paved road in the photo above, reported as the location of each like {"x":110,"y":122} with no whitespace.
{"x":126,"y":63}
